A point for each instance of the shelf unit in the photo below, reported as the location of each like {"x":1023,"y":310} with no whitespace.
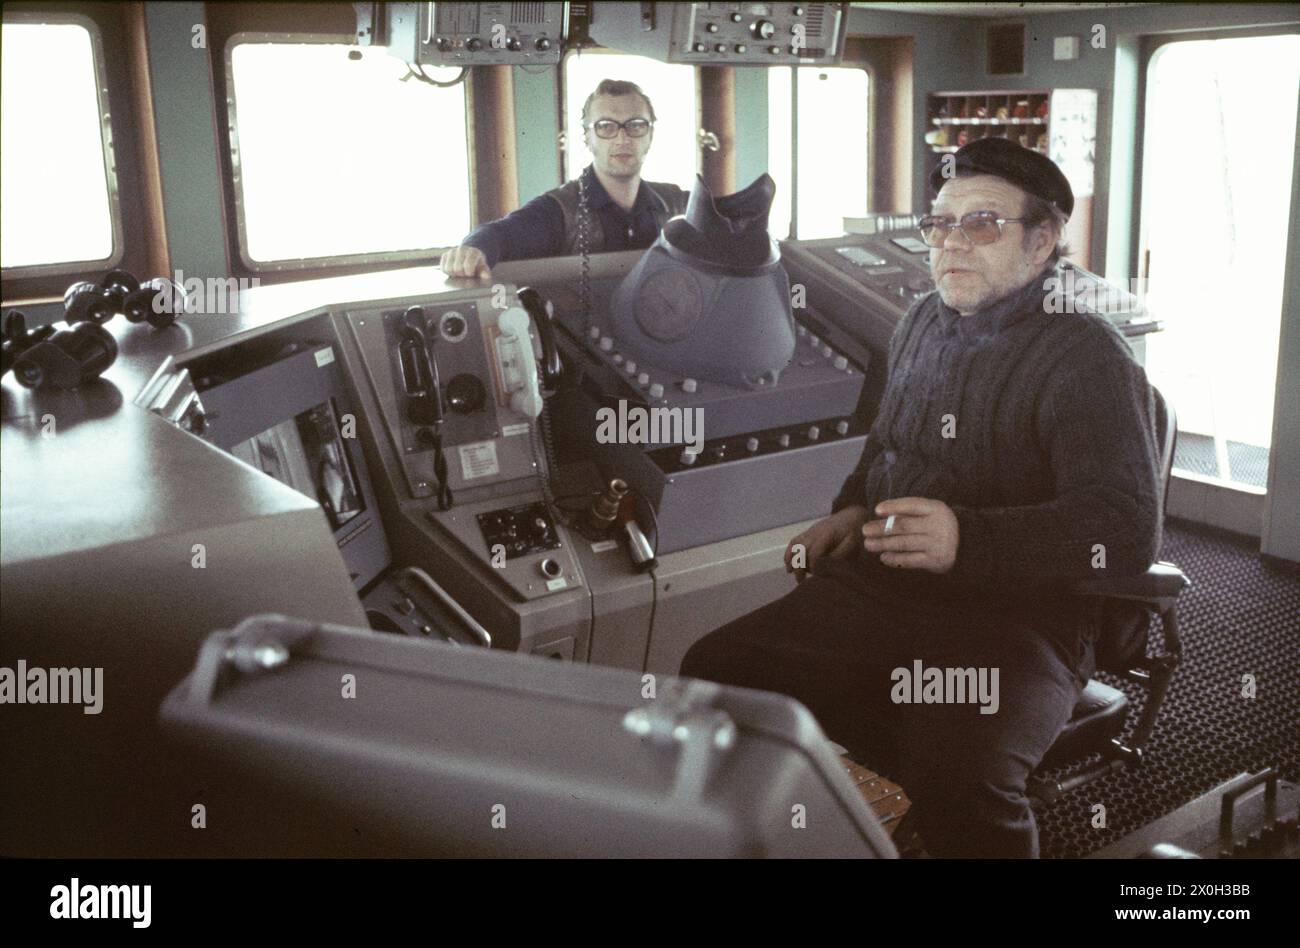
{"x":1059,"y":123}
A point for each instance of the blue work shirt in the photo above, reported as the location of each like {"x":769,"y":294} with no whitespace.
{"x":537,"y":228}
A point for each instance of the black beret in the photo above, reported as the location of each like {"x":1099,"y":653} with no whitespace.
{"x":1027,"y":169}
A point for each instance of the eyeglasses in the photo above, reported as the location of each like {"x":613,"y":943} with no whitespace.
{"x":608,"y":128}
{"x":978,"y":227}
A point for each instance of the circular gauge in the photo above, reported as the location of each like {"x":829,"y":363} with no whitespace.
{"x":669,"y":305}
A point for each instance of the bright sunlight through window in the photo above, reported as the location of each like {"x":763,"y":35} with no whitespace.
{"x":53,"y":180}
{"x":832,"y":182}
{"x":339,"y":157}
{"x":1216,"y":194}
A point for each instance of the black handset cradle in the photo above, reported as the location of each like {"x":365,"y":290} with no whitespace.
{"x":424,"y":396}
{"x":419,"y":372}
{"x":543,"y":315}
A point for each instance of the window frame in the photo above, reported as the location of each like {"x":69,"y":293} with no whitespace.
{"x":312,"y":266}
{"x":33,"y":276}
{"x":869,"y":146}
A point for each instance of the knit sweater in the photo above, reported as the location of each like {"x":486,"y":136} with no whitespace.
{"x":1036,"y":427}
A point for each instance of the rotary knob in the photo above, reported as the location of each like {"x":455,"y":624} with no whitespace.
{"x":842,"y":427}
{"x":629,"y":367}
{"x":606,"y":344}
{"x":763,"y":29}
{"x":751,"y":445}
{"x":656,"y":390}
{"x":814,"y":433}
{"x":689,"y":386}
{"x":542,"y":44}
{"x":473,"y":44}
{"x":643,"y":379}
{"x":841,"y":363}
{"x":784,"y":441}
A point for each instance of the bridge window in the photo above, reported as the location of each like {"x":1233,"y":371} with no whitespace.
{"x":58,"y":187}
{"x":341,"y":156}
{"x":674,"y":154}
{"x":832,"y":137}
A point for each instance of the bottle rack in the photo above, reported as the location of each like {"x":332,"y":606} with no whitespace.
{"x":954,"y":119}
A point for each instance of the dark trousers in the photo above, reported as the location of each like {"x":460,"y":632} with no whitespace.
{"x":833,"y":646}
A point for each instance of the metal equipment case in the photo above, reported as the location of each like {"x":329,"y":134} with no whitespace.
{"x":450,"y":751}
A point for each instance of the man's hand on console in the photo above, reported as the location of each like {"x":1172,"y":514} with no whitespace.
{"x":915,"y":533}
{"x":465,"y":261}
{"x":835,"y":536}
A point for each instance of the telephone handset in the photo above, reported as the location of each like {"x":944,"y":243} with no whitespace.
{"x":423,"y":392}
{"x":527,"y":383}
{"x":419,"y":373}
{"x":543,"y":314}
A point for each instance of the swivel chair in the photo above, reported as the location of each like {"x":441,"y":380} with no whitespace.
{"x":1127,"y":604}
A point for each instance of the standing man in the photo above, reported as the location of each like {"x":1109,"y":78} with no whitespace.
{"x":623,"y":212}
{"x":1014,"y":452}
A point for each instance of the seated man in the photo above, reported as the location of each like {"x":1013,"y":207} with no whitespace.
{"x":1014,"y":451}
{"x":624,"y":213}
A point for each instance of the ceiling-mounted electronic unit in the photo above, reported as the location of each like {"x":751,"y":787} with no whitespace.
{"x":721,"y":34}
{"x":464,"y":34}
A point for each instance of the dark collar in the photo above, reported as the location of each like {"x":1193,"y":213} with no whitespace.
{"x":1002,"y":313}
{"x":598,"y":197}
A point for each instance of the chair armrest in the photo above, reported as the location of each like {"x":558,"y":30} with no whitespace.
{"x":1159,"y":587}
